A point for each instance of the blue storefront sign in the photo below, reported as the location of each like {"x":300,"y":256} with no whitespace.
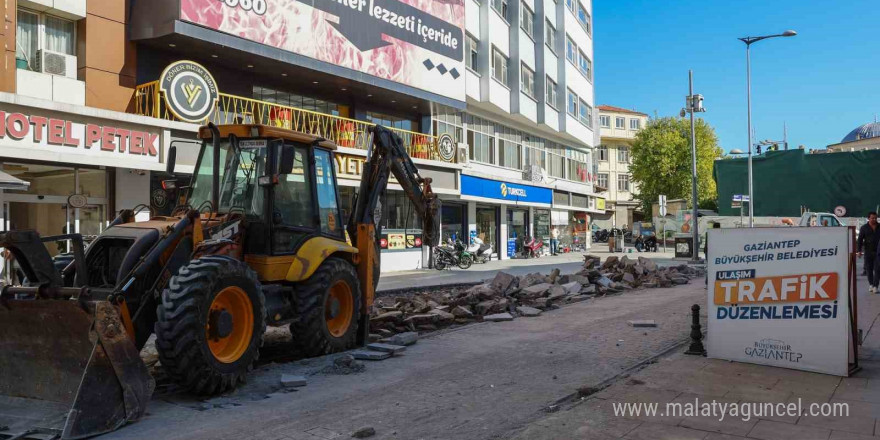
{"x":496,"y":189}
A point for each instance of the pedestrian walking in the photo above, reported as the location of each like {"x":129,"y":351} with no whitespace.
{"x":869,"y":237}
{"x":554,"y":240}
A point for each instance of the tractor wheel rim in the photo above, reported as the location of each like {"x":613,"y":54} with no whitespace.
{"x":341,"y":296}
{"x":235,"y":301}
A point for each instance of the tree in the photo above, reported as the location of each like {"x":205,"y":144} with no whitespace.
{"x":661,"y":161}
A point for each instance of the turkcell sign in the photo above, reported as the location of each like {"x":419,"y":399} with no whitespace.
{"x":496,"y":189}
{"x":778,"y":296}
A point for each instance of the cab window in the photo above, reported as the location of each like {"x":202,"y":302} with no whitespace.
{"x":292,"y":209}
{"x":827,"y":220}
{"x":328,"y":209}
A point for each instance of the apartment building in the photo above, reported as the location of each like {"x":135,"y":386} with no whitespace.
{"x":617,"y":130}
{"x":529,"y":122}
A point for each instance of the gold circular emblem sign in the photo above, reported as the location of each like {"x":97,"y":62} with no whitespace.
{"x":190,"y":91}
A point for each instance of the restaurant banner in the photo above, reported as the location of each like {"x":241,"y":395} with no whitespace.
{"x":418,"y":43}
{"x":780,"y":297}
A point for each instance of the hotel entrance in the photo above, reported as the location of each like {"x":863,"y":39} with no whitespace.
{"x":48,"y":207}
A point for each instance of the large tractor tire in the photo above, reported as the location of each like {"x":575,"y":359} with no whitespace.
{"x":210,"y":324}
{"x":328,"y":306}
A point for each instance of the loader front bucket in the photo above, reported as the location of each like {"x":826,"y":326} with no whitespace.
{"x":68,"y":369}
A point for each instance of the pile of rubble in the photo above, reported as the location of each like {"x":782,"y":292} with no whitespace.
{"x":508,"y":296}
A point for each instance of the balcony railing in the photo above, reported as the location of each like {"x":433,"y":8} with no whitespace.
{"x":352,"y":133}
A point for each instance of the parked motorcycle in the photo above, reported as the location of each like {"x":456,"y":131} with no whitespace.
{"x":600,"y":236}
{"x":453,"y":254}
{"x":532,"y":247}
{"x":480,"y":251}
{"x":646,"y":243}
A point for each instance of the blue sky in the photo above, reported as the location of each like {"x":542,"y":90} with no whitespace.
{"x":823,"y":83}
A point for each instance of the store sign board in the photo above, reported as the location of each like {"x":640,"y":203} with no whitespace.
{"x":495,"y":189}
{"x":75,"y":138}
{"x":418,"y":44}
{"x":778,"y":296}
{"x":600,"y":204}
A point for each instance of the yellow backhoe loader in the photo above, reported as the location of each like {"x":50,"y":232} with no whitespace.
{"x":259,"y":241}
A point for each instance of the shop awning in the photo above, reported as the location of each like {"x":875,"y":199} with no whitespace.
{"x":8,"y":181}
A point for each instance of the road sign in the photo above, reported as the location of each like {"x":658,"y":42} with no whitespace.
{"x":740,"y":198}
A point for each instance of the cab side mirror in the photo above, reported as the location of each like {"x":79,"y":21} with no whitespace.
{"x":171,"y":160}
{"x":285,"y":162}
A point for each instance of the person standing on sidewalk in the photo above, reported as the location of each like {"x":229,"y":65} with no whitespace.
{"x":869,"y":237}
{"x":554,"y":240}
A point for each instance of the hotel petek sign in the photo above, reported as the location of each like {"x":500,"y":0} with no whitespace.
{"x":75,"y":139}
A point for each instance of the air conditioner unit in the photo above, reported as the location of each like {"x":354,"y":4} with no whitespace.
{"x":463,"y":156}
{"x":56,"y":63}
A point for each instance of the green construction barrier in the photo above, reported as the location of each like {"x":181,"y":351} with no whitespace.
{"x":786,"y":181}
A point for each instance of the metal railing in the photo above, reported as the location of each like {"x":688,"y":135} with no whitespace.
{"x":345,"y":132}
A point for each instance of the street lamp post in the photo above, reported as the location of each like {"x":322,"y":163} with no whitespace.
{"x":694,"y":104}
{"x":749,"y":41}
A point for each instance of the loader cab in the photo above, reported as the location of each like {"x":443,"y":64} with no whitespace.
{"x":281,"y":182}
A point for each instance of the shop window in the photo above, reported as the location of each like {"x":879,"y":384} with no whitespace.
{"x":328,"y":210}
{"x":399,"y":212}
{"x":36,"y":31}
{"x":541,"y":226}
{"x":517,"y":221}
{"x":452,"y":220}
{"x":486,"y":226}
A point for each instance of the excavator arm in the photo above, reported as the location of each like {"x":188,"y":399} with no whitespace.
{"x":386,"y":156}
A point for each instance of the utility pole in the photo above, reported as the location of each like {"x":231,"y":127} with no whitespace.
{"x":694,"y":104}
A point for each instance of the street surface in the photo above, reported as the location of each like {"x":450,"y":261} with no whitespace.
{"x":567,"y":263}
{"x":480,"y":381}
{"x":681,"y":378}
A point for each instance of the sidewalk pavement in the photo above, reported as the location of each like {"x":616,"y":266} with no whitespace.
{"x":681,"y":378}
{"x":567,"y":263}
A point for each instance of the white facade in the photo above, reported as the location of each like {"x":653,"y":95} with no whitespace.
{"x":617,"y":128}
{"x":529,"y":120}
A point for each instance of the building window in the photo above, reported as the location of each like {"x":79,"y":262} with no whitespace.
{"x":620,"y":123}
{"x":393,"y":121}
{"x":570,"y":50}
{"x":584,"y":18}
{"x":551,"y":36}
{"x":502,"y":8}
{"x":585,"y":65}
{"x":481,"y":140}
{"x":472,"y":52}
{"x":528,"y":81}
{"x":528,"y":20}
{"x":499,"y":66}
{"x":570,"y":5}
{"x":623,"y":154}
{"x":585,"y":113}
{"x":572,"y":104}
{"x":602,"y":180}
{"x":42,"y":31}
{"x":448,"y":121}
{"x":603,"y":153}
{"x":605,"y":121}
{"x":552,"y":94}
{"x":623,"y":182}
{"x":293,"y":100}
{"x":635,"y":124}
{"x":509,"y":147}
